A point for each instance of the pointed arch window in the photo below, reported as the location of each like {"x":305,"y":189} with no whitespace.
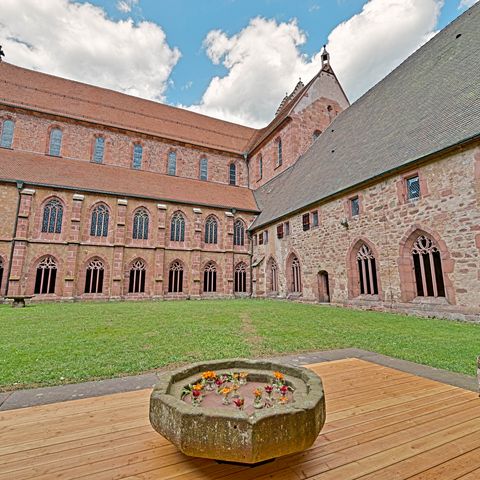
{"x":203,"y":169}
{"x":55,"y":146}
{"x":279,"y":152}
{"x":175,"y":277}
{"x":140,"y":224}
{"x":367,"y":271}
{"x":211,"y":230}
{"x":136,"y":281}
{"x":272,"y":276}
{"x":100,"y":218}
{"x":296,"y":282}
{"x":99,"y":149}
{"x":94,"y":277}
{"x":210,"y":278}
{"x":52,"y":216}
{"x":239,"y":233}
{"x":240,"y":282}
{"x":232,"y":174}
{"x":6,"y":139}
{"x":428,"y":268}
{"x":172,"y":163}
{"x":137,"y":156}
{"x":1,"y":272}
{"x":177,"y":227}
{"x":46,"y":276}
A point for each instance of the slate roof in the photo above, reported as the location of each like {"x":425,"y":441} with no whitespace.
{"x":47,"y":93}
{"x":42,"y":170}
{"x":429,"y":103}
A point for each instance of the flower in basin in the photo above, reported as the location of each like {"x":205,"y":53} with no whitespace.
{"x":258,"y":393}
{"x":239,"y":402}
{"x":196,"y":393}
{"x":268,"y":389}
{"x":197,"y":387}
{"x":209,"y":375}
{"x":225,"y":390}
{"x":278,"y":375}
{"x":284,"y":390}
{"x":283,"y":400}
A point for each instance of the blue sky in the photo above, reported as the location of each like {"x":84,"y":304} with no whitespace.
{"x":187,"y":22}
{"x":232,"y":59}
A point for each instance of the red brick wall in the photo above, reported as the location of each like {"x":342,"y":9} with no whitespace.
{"x":446,"y":212}
{"x":32,"y":134}
{"x":73,"y":248}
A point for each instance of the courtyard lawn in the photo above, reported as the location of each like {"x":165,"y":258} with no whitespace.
{"x":52,"y":344}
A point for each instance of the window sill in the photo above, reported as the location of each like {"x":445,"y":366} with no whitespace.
{"x":6,"y":148}
{"x":431,"y":300}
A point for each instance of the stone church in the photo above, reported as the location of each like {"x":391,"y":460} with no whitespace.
{"x":372,"y":205}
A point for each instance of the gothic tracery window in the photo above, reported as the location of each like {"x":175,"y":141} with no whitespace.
{"x":367,"y":271}
{"x":239,"y":233}
{"x":94,"y":277}
{"x":136,"y":281}
{"x":175,"y":277}
{"x":52,"y":216}
{"x":140,"y":224}
{"x":46,"y":276}
{"x":210,"y":278}
{"x":177,"y":227}
{"x":427,"y":264}
{"x":99,"y":223}
{"x":211,"y":230}
{"x":240,"y":282}
{"x":296,"y":280}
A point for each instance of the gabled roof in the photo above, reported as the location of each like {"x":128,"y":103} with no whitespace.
{"x":429,"y":103}
{"x":82,"y":176}
{"x":46,"y":93}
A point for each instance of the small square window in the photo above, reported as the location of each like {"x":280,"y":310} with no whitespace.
{"x":315,"y":218}
{"x":306,"y":221}
{"x":355,"y":206}
{"x":413,"y":188}
{"x":287,"y":228}
{"x":280,"y":231}
{"x":265,"y":237}
{"x":260,"y":238}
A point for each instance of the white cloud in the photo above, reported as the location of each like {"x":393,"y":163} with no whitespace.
{"x":467,"y":3}
{"x":125,"y":6}
{"x":80,"y":42}
{"x":264,"y":61}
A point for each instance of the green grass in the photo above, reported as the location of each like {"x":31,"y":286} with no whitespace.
{"x":52,"y":344}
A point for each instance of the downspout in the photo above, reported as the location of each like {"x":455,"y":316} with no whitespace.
{"x":14,"y":235}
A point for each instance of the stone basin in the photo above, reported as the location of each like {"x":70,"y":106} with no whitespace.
{"x":241,"y":436}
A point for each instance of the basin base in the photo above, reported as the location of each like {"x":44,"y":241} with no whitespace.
{"x":250,"y":465}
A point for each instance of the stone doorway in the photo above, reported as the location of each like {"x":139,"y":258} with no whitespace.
{"x":323,"y":287}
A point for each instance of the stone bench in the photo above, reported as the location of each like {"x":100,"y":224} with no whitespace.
{"x":18,"y":300}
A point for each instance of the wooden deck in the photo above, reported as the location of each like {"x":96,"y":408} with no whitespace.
{"x":381,"y":424}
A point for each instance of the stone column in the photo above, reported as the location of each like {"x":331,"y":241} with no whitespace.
{"x":71,"y":287}
{"x":17,"y":280}
{"x":119,"y":235}
{"x":160,"y":251}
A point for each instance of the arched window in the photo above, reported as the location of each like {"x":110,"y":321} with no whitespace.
{"x":296,"y":280}
{"x":240,"y":278}
{"x":99,"y":149}
{"x":210,"y":277}
{"x":260,"y":166}
{"x":1,"y":272}
{"x":211,"y":227}
{"x":46,"y":276}
{"x":316,"y":134}
{"x":140,"y":224}
{"x":279,"y":152}
{"x":233,"y":174}
{"x":175,"y":277}
{"x":55,"y":147}
{"x":367,"y":271}
{"x":172,"y":163}
{"x":94,"y":277}
{"x":137,"y":156}
{"x":52,"y":217}
{"x":428,"y":268}
{"x":272,"y":276}
{"x":136,"y":283}
{"x":6,"y":139}
{"x":239,"y":233}
{"x":203,"y":169}
{"x":177,"y":228}
{"x":99,"y":226}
